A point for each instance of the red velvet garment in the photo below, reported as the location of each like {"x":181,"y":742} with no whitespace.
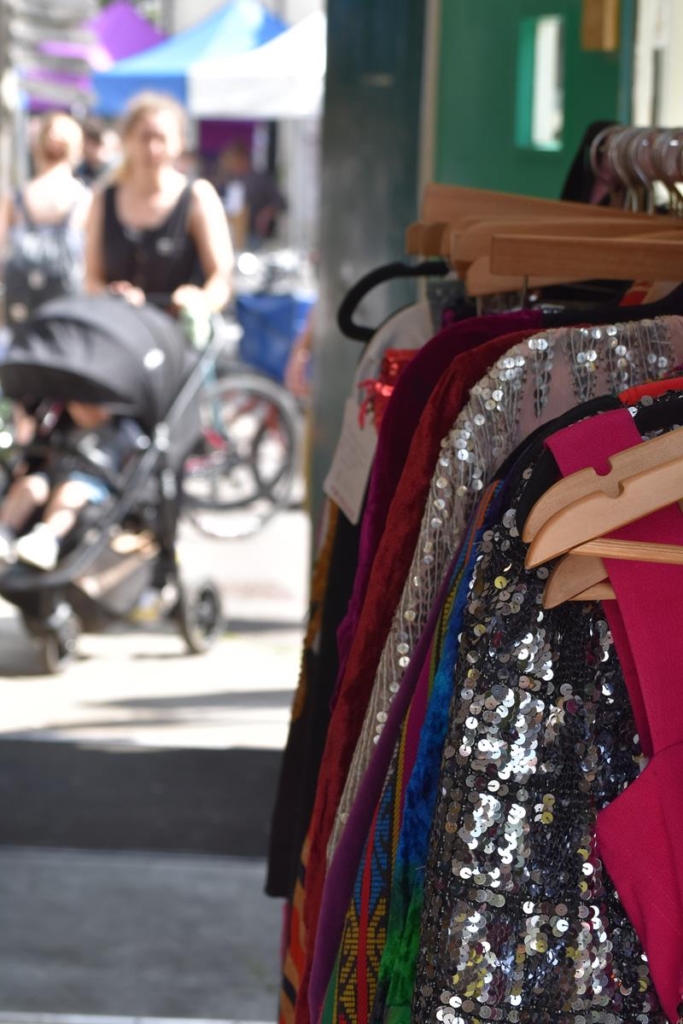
{"x":387,"y":579}
{"x":640,"y":834}
{"x":399,"y":423}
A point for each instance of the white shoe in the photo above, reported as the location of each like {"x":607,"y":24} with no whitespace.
{"x":39,"y":548}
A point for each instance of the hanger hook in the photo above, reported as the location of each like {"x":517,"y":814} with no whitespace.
{"x":616,"y":159}
{"x":637,"y":144}
{"x":594,"y":152}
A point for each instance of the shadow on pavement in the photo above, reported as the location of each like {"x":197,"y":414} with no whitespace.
{"x":229,"y":699}
{"x":107,"y":797}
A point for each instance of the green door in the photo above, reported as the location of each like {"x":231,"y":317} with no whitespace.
{"x":491,"y":75}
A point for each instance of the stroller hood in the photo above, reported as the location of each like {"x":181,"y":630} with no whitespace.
{"x":99,"y":349}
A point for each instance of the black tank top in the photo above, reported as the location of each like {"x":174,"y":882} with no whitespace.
{"x":158,"y":260}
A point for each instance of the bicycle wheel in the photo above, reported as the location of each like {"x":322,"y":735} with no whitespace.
{"x":243,"y":471}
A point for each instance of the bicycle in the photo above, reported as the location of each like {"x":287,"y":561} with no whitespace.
{"x":245,"y":470}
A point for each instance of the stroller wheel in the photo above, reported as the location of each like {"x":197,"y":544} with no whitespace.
{"x":199,"y":616}
{"x":59,"y":646}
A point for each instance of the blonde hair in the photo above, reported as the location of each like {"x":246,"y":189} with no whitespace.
{"x":151,"y":103}
{"x":59,"y":138}
{"x":140,"y":106}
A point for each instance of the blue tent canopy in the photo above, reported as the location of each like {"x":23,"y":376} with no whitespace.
{"x":237,"y":27}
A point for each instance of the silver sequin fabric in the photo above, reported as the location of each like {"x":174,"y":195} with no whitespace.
{"x":531,"y":384}
{"x":520,"y":923}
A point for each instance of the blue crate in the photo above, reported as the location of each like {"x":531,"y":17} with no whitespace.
{"x":271,"y":324}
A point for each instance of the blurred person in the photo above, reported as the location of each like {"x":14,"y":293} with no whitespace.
{"x":243,"y":188}
{"x":100,"y":151}
{"x":152,"y":231}
{"x":41,"y":225}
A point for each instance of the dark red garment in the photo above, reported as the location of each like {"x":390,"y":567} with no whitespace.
{"x":402,"y":415}
{"x":640,"y":834}
{"x":385,"y":586}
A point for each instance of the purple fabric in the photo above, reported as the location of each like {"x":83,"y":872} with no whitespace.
{"x":119,"y":32}
{"x":402,"y":415}
{"x":214,"y":136}
{"x":342,"y":871}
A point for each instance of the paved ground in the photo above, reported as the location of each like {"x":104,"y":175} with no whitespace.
{"x":136,"y":935}
{"x":135,"y":795}
{"x":138,"y":685}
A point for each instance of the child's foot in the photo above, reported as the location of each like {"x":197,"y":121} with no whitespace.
{"x":7,"y":542}
{"x":39,"y":548}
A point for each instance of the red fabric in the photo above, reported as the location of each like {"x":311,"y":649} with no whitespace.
{"x":640,"y":834}
{"x":636,"y":294}
{"x":378,"y":392}
{"x":653,"y":389}
{"x":389,"y":571}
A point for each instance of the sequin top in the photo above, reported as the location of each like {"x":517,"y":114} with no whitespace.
{"x":533,"y":383}
{"x":520,"y":922}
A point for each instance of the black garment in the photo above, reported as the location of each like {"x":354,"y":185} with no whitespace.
{"x":580,"y":181}
{"x":308,"y":733}
{"x":541,"y":738}
{"x":158,"y":260}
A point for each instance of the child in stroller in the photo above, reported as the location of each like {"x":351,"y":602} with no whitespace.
{"x":55,"y":487}
{"x":110,"y":474}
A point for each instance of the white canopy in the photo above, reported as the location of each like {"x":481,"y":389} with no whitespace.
{"x":281,"y":80}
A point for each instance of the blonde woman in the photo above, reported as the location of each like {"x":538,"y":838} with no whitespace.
{"x":41,"y":226}
{"x":54,"y":193}
{"x":151,"y":231}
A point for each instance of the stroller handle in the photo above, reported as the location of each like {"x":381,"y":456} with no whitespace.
{"x":162,"y":300}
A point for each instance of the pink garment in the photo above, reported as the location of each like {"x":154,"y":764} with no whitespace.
{"x":640,"y":834}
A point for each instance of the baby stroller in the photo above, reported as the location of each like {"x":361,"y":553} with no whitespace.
{"x":102,"y":350}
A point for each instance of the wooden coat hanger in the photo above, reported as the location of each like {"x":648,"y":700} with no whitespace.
{"x":516,"y":261}
{"x":426,"y":239}
{"x":641,"y":481}
{"x":577,"y":578}
{"x":587,"y":506}
{"x":617,"y":259}
{"x":479,"y":281}
{"x":582,"y":576}
{"x":447,"y":203}
{"x":446,"y":206}
{"x":472,"y":241}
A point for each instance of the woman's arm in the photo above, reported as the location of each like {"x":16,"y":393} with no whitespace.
{"x":209,"y":228}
